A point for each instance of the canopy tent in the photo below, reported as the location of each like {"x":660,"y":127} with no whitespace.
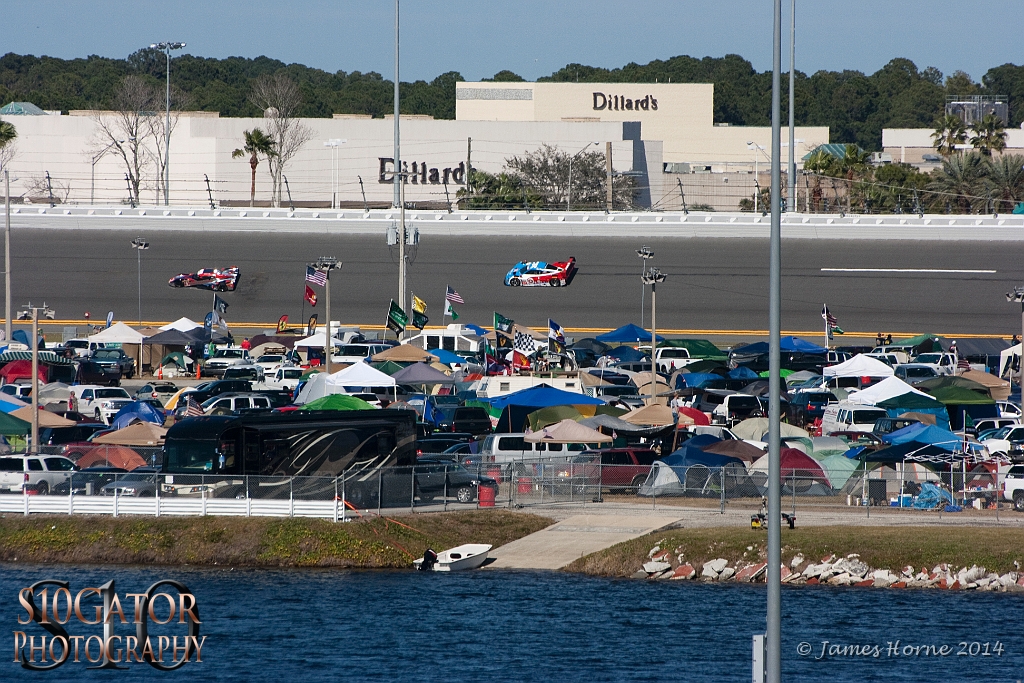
{"x":176,"y":338}
{"x":695,"y":416}
{"x":755,"y":428}
{"x":626,"y":354}
{"x":447,"y":357}
{"x":543,"y":417}
{"x":999,"y":389}
{"x":1008,"y":360}
{"x":592,"y":345}
{"x":589,"y":379}
{"x":46,"y":418}
{"x":112,"y":456}
{"x":317,"y":341}
{"x":909,"y":450}
{"x":958,"y":395}
{"x":654,"y":415}
{"x":388,"y":367}
{"x":8,"y":404}
{"x":787,"y":344}
{"x":925,"y":434}
{"x":137,"y":434}
{"x":627,"y":334}
{"x":697,"y":348}
{"x":182,"y":324}
{"x":859,"y":366}
{"x":338,"y":402}
{"x":915,"y":402}
{"x":736,"y":449}
{"x":541,"y":396}
{"x":707,"y":365}
{"x":888,"y":388}
{"x":924,"y":343}
{"x":742,"y":372}
{"x":118,"y":333}
{"x":13,"y":426}
{"x":360,"y":375}
{"x":404,"y":353}
{"x":611,"y":423}
{"x":568,"y":431}
{"x":925,"y":418}
{"x":420,"y":373}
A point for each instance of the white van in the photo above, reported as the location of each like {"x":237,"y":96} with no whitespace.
{"x":507,"y":448}
{"x":847,"y":416}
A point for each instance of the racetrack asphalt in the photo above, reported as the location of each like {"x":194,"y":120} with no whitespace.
{"x":713,"y":285}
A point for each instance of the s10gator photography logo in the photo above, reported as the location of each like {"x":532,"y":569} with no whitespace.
{"x":57,"y":625}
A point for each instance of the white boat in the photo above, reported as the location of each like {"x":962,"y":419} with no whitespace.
{"x":468,"y":556}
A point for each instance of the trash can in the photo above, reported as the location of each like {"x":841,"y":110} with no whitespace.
{"x":525,"y":485}
{"x":485,"y":496}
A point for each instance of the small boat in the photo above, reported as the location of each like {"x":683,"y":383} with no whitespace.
{"x":468,"y":556}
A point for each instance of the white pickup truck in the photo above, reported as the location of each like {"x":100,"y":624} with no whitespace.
{"x":287,"y":377}
{"x":943,"y":363}
{"x":1013,"y":487}
{"x":671,"y":358}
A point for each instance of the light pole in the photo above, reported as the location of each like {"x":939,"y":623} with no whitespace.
{"x":792,"y":105}
{"x":138,"y":244}
{"x":7,"y":256}
{"x":326,"y":264}
{"x":757,"y":186}
{"x":49,"y":314}
{"x":646,"y":254}
{"x":1017,"y":297}
{"x":568,"y":194}
{"x":333,"y":143}
{"x":398,"y":161}
{"x":167,"y":47}
{"x":652,"y":278}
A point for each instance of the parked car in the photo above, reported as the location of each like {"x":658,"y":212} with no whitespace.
{"x":103,"y":403}
{"x":22,"y":392}
{"x":992,"y":423}
{"x":437,"y":477}
{"x":82,"y":347}
{"x":111,"y":359}
{"x":162,"y":391}
{"x":223,"y":358}
{"x":728,"y":407}
{"x":88,"y":481}
{"x":229,"y":404}
{"x":807,"y":406}
{"x":217,"y":387}
{"x":623,"y":469}
{"x":912,"y":373}
{"x":33,"y":473}
{"x":474,"y":421}
{"x":439,"y":442}
{"x":140,"y":482}
{"x":250,"y":372}
{"x":1013,"y":487}
{"x":845,"y":416}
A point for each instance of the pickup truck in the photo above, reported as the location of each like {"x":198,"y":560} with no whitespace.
{"x":287,"y":377}
{"x":222,"y":358}
{"x":112,"y":360}
{"x":1013,"y":487}
{"x":943,"y":363}
{"x":1011,"y":442}
{"x":624,"y":469}
{"x":670,"y":359}
{"x":36,"y":474}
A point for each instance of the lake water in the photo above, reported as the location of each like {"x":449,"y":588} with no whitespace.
{"x":315,"y":625}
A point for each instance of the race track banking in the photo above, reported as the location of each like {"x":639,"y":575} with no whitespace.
{"x":712,"y":284}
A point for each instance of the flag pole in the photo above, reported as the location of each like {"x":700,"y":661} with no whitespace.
{"x":825,"y":308}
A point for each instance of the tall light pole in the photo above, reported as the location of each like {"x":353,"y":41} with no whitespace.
{"x":646,"y":254}
{"x":773,"y":633}
{"x":49,"y":314}
{"x":652,"y":278}
{"x":568,"y":193}
{"x":167,"y":47}
{"x":333,"y":143}
{"x":792,"y":204}
{"x":398,"y":161}
{"x":1017,"y":297}
{"x":7,"y":256}
{"x":326,"y":264}
{"x":757,"y":187}
{"x":138,"y":244}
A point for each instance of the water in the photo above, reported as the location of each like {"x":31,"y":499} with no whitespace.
{"x":313,"y":625}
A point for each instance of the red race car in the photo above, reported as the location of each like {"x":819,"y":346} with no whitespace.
{"x":213,"y":279}
{"x":542,"y":274}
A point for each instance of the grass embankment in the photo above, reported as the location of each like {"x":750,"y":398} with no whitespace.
{"x":891,"y":548}
{"x":253,"y":542}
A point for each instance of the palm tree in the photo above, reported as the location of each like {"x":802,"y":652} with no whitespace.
{"x":820,"y":163}
{"x":256,"y":143}
{"x":989,"y":135}
{"x":1005,"y":179}
{"x":950,"y":131}
{"x":7,"y":136}
{"x":854,"y":163}
{"x":962,"y":180}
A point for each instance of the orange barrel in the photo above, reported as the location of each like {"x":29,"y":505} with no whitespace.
{"x":495,"y":474}
{"x":525,"y":485}
{"x":485,"y":495}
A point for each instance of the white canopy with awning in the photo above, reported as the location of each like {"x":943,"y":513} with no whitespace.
{"x":118,"y":333}
{"x":890,"y":387}
{"x":182,"y":324}
{"x":360,"y":375}
{"x":317,"y":341}
{"x":859,"y":366}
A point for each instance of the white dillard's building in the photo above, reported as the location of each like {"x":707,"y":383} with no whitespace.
{"x":662,"y":134}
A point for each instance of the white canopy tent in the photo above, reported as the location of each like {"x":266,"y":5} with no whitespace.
{"x":317,"y":341}
{"x":118,"y":333}
{"x":360,"y":375}
{"x":859,"y":366}
{"x":1006,"y":359}
{"x":182,"y":324}
{"x":890,"y":387}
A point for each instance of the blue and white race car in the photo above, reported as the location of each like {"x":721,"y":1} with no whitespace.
{"x":542,"y":274}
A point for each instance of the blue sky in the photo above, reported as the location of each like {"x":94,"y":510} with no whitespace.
{"x":531,"y":37}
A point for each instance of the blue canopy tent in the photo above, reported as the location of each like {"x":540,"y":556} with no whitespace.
{"x":925,"y":434}
{"x":743,"y":372}
{"x":447,"y":357}
{"x":516,"y":407}
{"x":695,"y":380}
{"x":908,"y":449}
{"x":701,"y":440}
{"x":136,"y":411}
{"x":626,"y":354}
{"x":787,"y":345}
{"x":627,"y":334}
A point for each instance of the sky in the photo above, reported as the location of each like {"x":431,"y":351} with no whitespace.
{"x":530,"y":37}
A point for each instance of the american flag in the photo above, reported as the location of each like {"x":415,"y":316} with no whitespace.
{"x":453,"y":296}
{"x":827,"y":316}
{"x":317,"y":277}
{"x":193,"y":409}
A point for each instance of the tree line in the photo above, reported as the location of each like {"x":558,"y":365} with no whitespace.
{"x":855,"y":106}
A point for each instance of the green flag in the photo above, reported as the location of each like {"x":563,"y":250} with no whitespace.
{"x":449,"y":310}
{"x":968,"y":420}
{"x":397,"y":319}
{"x":502,"y":324}
{"x":837,"y":330}
{"x":419,"y":320}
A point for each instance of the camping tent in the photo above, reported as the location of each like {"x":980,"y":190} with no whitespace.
{"x":538,"y":419}
{"x":138,"y":434}
{"x":118,"y":333}
{"x":890,"y":387}
{"x":736,"y":449}
{"x":338,"y":402}
{"x":756,"y":428}
{"x":689,"y":471}
{"x":112,"y":456}
{"x":137,"y":410}
{"x":568,"y":431}
{"x":627,"y":334}
{"x":859,"y":366}
{"x":653,"y":415}
{"x":795,"y":466}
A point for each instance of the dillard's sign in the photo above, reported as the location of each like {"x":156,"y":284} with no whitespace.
{"x":420,"y":174}
{"x":620,"y":103}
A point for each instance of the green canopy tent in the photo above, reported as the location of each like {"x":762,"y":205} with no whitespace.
{"x":707,"y":365}
{"x":923,"y":343}
{"x":388,"y":367}
{"x":12,"y":426}
{"x":960,"y":402}
{"x":930,"y":385}
{"x":913,"y":402}
{"x":783,"y":372}
{"x":698,"y":348}
{"x":338,"y":402}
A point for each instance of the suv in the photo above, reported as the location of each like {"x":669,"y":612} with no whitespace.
{"x":103,"y":403}
{"x":19,"y":391}
{"x":222,"y":358}
{"x":473,"y":421}
{"x":807,"y":406}
{"x":624,"y":469}
{"x":912,"y":373}
{"x":888,"y":425}
{"x":211,"y":389}
{"x":250,"y":372}
{"x":944,"y":363}
{"x":161,"y":391}
{"x":33,"y":473}
{"x":1013,"y":487}
{"x":357,"y":353}
{"x":728,"y":407}
{"x":227,"y":404}
{"x":112,"y":360}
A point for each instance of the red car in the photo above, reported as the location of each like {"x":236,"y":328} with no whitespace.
{"x":542,"y":274}
{"x":213,"y":279}
{"x":615,"y":469}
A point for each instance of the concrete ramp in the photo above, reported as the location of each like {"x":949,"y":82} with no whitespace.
{"x":570,"y":539}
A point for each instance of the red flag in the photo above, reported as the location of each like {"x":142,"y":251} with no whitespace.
{"x":282,"y":324}
{"x":520,"y":360}
{"x":310,"y":296}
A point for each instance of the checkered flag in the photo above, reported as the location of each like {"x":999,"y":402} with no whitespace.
{"x":524,"y":343}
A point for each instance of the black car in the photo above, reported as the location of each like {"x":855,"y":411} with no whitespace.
{"x":58,"y":436}
{"x":115,"y":359}
{"x":440,"y":442}
{"x":220,"y":386}
{"x":440,"y":477}
{"x":474,"y":421}
{"x":807,"y":406}
{"x":88,"y":481}
{"x":94,"y":372}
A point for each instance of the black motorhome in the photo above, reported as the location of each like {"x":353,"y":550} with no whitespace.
{"x":299,"y":453}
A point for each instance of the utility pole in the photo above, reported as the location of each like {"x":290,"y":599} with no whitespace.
{"x":7,"y":257}
{"x":167,"y":47}
{"x":34,"y":448}
{"x":398,"y":161}
{"x":401,"y":248}
{"x":469,"y":156}
{"x":608,"y":173}
{"x":791,"y":204}
{"x":646,"y":254}
{"x":652,"y":278}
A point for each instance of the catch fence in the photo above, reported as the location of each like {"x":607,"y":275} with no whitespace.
{"x":574,"y":481}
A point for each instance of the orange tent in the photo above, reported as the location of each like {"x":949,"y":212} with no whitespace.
{"x":112,"y":456}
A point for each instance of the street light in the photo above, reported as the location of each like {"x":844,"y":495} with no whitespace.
{"x":49,"y":314}
{"x":333,"y":143}
{"x":652,"y":278}
{"x":326,"y":264}
{"x":568,"y":193}
{"x":167,"y":47}
{"x":92,"y":181}
{"x":646,"y":254}
{"x":1017,"y":297}
{"x":138,"y":244}
{"x":757,"y":186}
